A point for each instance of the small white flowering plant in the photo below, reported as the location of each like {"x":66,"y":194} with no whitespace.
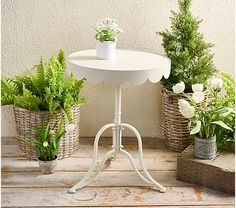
{"x":46,"y":140}
{"x":201,"y":108}
{"x":107,"y":29}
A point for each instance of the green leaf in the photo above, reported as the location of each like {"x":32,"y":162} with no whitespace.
{"x":196,"y":129}
{"x":222,"y":124}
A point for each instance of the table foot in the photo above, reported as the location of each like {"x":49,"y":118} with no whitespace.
{"x":94,"y":169}
{"x":147,"y":177}
{"x":92,"y":173}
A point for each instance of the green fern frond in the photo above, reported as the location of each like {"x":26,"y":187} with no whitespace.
{"x":9,"y":90}
{"x":68,"y":114}
{"x":41,"y":76}
{"x":29,"y":102}
{"x":7,"y":100}
{"x":61,"y":58}
{"x":9,"y":87}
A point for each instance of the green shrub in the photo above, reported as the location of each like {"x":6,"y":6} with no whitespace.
{"x":191,"y":60}
{"x":226,"y":139}
{"x":47,"y":89}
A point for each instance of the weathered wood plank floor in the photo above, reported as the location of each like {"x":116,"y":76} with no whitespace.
{"x":118,"y":185}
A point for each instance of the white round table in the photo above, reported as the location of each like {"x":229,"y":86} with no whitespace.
{"x":129,"y":66}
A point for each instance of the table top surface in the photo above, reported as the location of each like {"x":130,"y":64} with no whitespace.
{"x":126,"y":60}
{"x":131,"y":66}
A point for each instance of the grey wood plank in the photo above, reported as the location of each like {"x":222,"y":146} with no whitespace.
{"x":81,"y":164}
{"x":67,"y":179}
{"x":103,"y":140}
{"x":86,"y":150}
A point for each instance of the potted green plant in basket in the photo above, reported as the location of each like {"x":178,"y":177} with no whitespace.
{"x":205,"y":115}
{"x":191,"y":62}
{"x":107,"y":31}
{"x":46,"y":142}
{"x":50,"y":94}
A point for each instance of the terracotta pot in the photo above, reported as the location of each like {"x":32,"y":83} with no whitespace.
{"x":48,"y":167}
{"x":205,"y":148}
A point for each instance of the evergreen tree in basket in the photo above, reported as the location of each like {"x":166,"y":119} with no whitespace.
{"x":191,"y":59}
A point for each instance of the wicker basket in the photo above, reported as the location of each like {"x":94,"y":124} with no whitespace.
{"x":218,"y":174}
{"x":173,"y":125}
{"x":25,"y":119}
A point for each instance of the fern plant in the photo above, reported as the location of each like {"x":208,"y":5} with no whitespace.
{"x":191,"y":58}
{"x":46,"y":89}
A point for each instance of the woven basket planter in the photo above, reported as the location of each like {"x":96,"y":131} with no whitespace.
{"x":25,"y":119}
{"x":174,"y":126}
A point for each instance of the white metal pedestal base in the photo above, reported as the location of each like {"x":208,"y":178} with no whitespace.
{"x":117,"y":147}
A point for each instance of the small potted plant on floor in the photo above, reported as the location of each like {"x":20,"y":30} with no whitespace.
{"x":191,"y":61}
{"x":46,"y":143}
{"x":107,"y":31}
{"x":46,"y":93}
{"x":204,"y":115}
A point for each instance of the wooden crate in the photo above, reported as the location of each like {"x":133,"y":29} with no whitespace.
{"x":218,"y":173}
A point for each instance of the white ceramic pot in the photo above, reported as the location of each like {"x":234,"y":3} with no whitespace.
{"x":106,"y":50}
{"x":205,"y":148}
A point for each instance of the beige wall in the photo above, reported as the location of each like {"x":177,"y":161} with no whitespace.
{"x":39,"y":27}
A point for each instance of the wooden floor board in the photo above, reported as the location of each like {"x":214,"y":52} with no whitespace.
{"x":116,"y":186}
{"x":83,"y":164}
{"x":67,"y":179}
{"x":112,"y":196}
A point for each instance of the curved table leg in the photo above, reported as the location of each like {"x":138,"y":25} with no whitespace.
{"x":90,"y":174}
{"x":148,"y":176}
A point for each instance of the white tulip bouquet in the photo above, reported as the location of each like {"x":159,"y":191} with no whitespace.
{"x":202,"y":110}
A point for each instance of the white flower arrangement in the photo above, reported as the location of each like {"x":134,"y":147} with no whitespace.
{"x":201,"y":109}
{"x":107,"y":29}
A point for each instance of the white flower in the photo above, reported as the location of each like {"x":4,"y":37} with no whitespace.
{"x":108,"y":24}
{"x":197,"y":87}
{"x":216,"y":83}
{"x":179,"y":87}
{"x":183,"y":104}
{"x":45,"y":143}
{"x":188,"y":112}
{"x":70,"y":127}
{"x":198,"y":97}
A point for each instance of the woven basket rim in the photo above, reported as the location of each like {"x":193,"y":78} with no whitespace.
{"x":43,"y":111}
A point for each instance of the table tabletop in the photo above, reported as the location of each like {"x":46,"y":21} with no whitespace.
{"x":129,"y":66}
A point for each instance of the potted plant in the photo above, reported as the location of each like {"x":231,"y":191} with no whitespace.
{"x":205,"y":115}
{"x":50,"y":94}
{"x":191,"y":61}
{"x":107,"y":31}
{"x":46,"y":142}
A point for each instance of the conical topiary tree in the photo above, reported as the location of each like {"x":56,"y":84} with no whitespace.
{"x":191,"y":59}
